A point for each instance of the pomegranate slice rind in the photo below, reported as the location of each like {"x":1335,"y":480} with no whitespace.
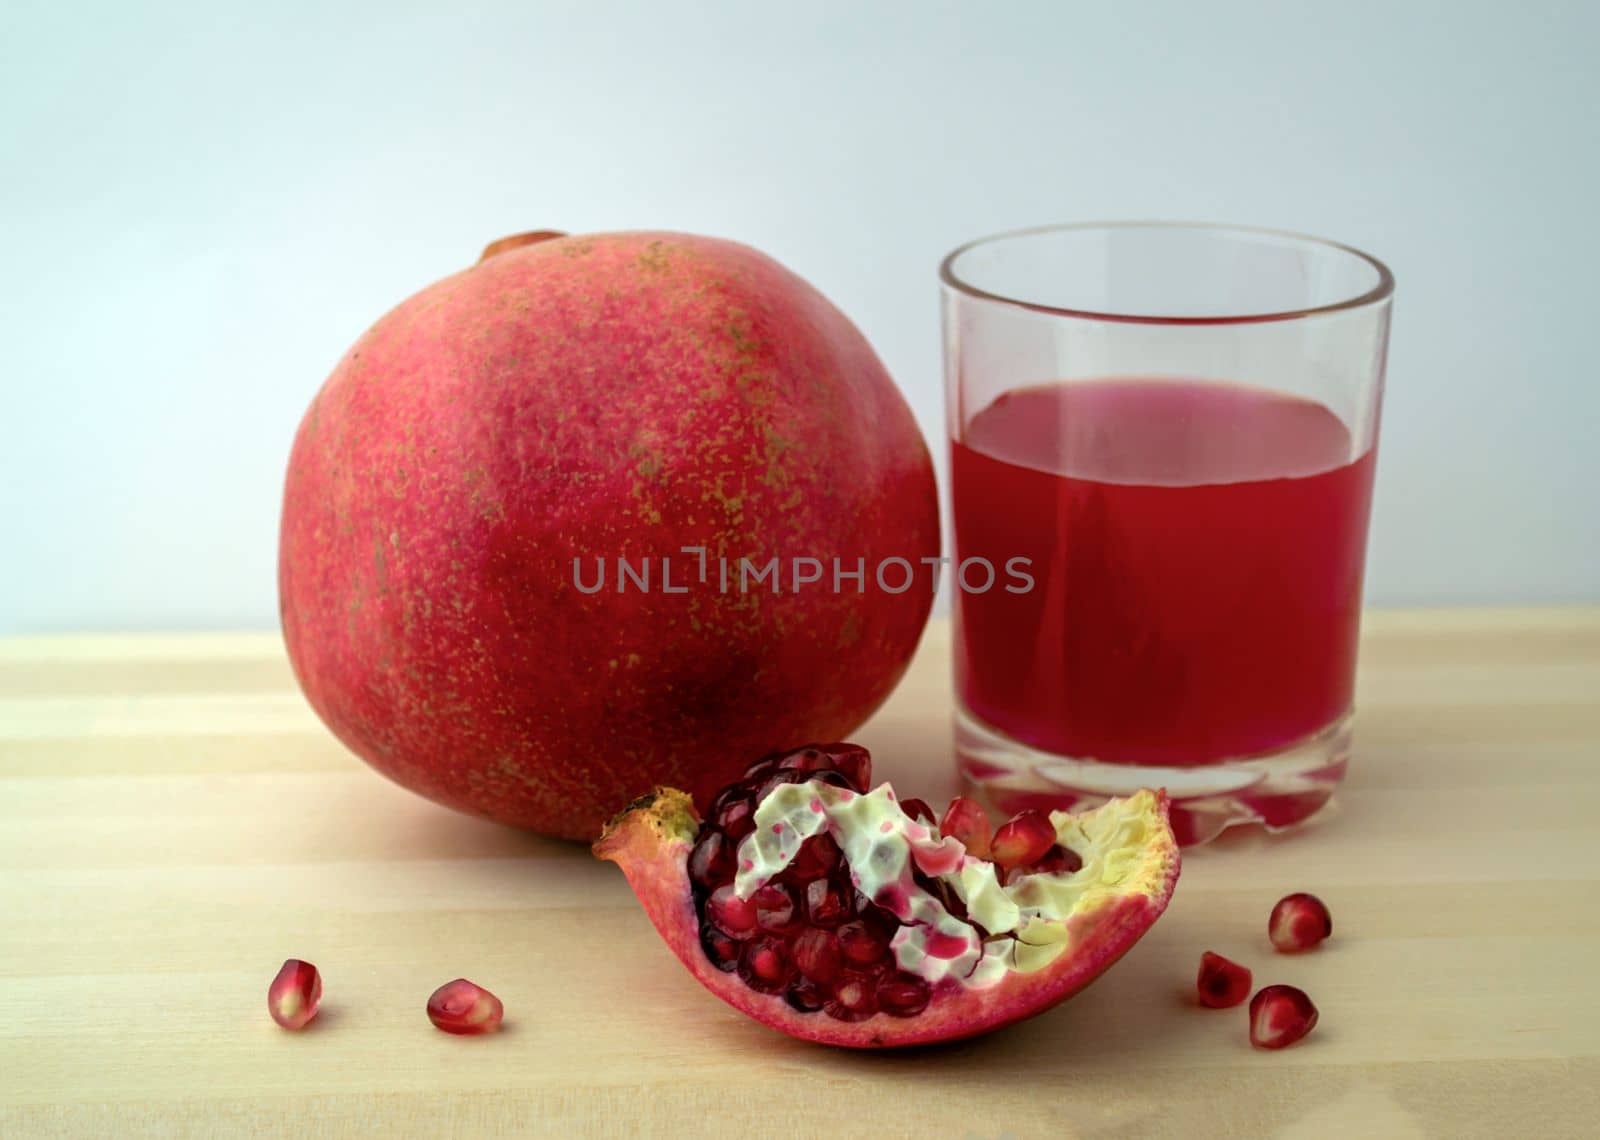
{"x":1130,"y":866}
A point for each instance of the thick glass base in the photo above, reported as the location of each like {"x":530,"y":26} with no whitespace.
{"x":1278,"y":791}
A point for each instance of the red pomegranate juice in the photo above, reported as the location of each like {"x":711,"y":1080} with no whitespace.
{"x":1197,"y":553}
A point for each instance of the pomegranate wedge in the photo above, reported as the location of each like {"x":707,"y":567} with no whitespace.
{"x":827,"y":911}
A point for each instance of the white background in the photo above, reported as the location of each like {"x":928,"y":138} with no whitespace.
{"x":202,"y":204}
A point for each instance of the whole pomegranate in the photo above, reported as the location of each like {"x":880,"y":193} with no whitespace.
{"x":483,"y":576}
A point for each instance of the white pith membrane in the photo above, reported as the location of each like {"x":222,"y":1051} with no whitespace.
{"x":1027,"y":921}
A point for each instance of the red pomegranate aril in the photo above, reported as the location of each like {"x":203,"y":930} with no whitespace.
{"x":1057,"y":860}
{"x":295,"y":994}
{"x":765,"y":965}
{"x":805,"y":996}
{"x":919,"y":811}
{"x":966,"y":821}
{"x":844,"y":764}
{"x":826,"y":903}
{"x":1021,"y":840}
{"x":854,"y":998}
{"x":861,"y":944}
{"x":722,"y":950}
{"x":736,"y":818}
{"x":903,"y":996}
{"x":464,"y":1008}
{"x":763,"y":767}
{"x":816,"y":955}
{"x":775,"y":909}
{"x":711,"y":861}
{"x":1280,"y":1016}
{"x":1299,"y":922}
{"x":763,"y":787}
{"x":785,"y":776}
{"x":1221,"y":983}
{"x":876,"y":917}
{"x":726,"y":796}
{"x":734,"y":916}
{"x":804,"y":760}
{"x":853,"y":761}
{"x":817,"y":857}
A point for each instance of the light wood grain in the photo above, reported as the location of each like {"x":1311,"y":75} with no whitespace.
{"x":176,"y":822}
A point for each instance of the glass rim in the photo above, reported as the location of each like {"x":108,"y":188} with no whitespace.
{"x":1379,"y":293}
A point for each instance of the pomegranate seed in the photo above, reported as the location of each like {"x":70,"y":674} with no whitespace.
{"x":847,"y":761}
{"x":725,"y":797}
{"x":876,"y":917}
{"x":816,"y":955}
{"x":903,"y":996}
{"x":295,"y":994}
{"x":850,"y":762}
{"x":919,"y":810}
{"x":854,"y":998}
{"x":1058,"y":860}
{"x":774,"y":907}
{"x":808,"y":759}
{"x":1299,"y":922}
{"x":861,"y":944}
{"x":805,"y":996}
{"x":734,"y":916}
{"x":765,"y":965}
{"x":735,"y":817}
{"x":966,"y":821}
{"x":826,"y":903}
{"x":1221,"y":983}
{"x":464,"y":1008}
{"x":785,"y":776}
{"x":1023,"y":839}
{"x":722,"y":950}
{"x":1280,"y":1016}
{"x":711,"y":861}
{"x":763,"y":767}
{"x":761,"y":789}
{"x":817,"y":856}
{"x":853,"y":761}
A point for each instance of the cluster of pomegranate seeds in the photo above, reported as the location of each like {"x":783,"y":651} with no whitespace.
{"x":295,"y":994}
{"x":1299,"y":922}
{"x":463,"y":1008}
{"x":1280,"y":1016}
{"x":809,"y":934}
{"x":1222,"y":983}
{"x":455,"y":1007}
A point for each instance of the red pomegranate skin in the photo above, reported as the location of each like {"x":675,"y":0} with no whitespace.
{"x":603,"y":396}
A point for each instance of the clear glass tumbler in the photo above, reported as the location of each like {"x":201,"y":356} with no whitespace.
{"x":1162,"y":443}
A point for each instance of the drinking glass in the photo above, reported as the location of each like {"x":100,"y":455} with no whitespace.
{"x":1162,"y":442}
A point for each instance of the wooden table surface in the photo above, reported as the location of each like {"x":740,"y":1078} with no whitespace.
{"x":174,"y":822}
